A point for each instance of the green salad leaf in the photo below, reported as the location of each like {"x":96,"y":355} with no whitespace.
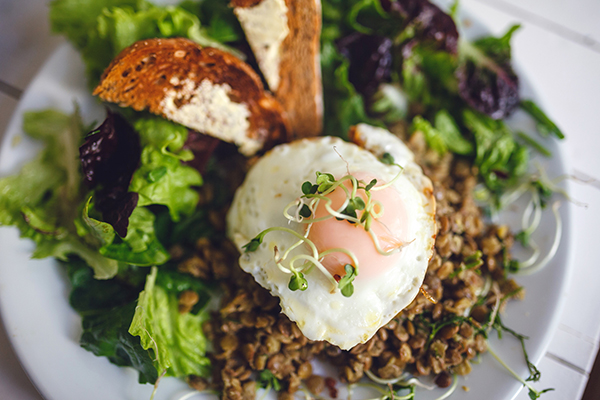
{"x":218,"y":19}
{"x":405,"y":64}
{"x":104,"y":268}
{"x":45,"y":199}
{"x":545,"y":126}
{"x":428,"y":78}
{"x":161,"y":177}
{"x":501,"y":160}
{"x":175,"y":340}
{"x":76,"y":18}
{"x":103,"y":231}
{"x":106,"y":308}
{"x":140,"y":246}
{"x":105,"y":334}
{"x":164,"y":135}
{"x":433,"y":137}
{"x":444,"y":134}
{"x":453,"y":138}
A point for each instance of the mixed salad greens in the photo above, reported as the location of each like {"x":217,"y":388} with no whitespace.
{"x":109,"y":201}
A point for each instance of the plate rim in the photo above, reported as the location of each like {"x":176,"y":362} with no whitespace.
{"x":567,"y":244}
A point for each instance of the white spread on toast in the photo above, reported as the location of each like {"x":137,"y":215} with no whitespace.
{"x":266,"y":27}
{"x":207,"y":108}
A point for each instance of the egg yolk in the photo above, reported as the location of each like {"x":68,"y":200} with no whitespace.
{"x":391,"y":228}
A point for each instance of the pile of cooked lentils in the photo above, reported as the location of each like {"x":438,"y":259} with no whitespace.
{"x":437,"y":335}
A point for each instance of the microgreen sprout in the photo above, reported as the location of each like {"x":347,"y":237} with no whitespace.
{"x":252,"y":245}
{"x":533,"y":394}
{"x":345,"y":283}
{"x":387,"y":158}
{"x":371,"y":184}
{"x":297,"y":281}
{"x":541,"y":188}
{"x":305,"y":212}
{"x":529,"y":269}
{"x":390,"y":388}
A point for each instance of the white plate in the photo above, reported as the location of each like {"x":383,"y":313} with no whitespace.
{"x":45,"y":331}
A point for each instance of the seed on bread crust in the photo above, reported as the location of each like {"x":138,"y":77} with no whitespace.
{"x":202,"y":88}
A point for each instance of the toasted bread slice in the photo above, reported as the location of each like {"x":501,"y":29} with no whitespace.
{"x":284,"y":36}
{"x":205,"y":89}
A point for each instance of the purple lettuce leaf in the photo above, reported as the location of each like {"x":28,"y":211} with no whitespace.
{"x":109,"y":157}
{"x":370,"y":58}
{"x":486,"y":80}
{"x":427,"y":21}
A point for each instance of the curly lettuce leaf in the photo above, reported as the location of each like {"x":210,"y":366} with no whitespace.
{"x":62,"y":134}
{"x":164,"y":135}
{"x":44,"y":199}
{"x":34,"y":191}
{"x":175,"y":341}
{"x":125,"y":182}
{"x":162,"y":178}
{"x":140,"y":246}
{"x":104,"y":268}
{"x":102,"y":231}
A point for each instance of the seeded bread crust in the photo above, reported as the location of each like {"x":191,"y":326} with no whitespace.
{"x":300,"y":90}
{"x":147,"y":72}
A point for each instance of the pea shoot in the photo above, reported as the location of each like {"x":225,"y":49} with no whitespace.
{"x":345,"y":284}
{"x":298,"y":281}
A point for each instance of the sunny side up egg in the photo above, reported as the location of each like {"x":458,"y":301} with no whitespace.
{"x":404,"y":227}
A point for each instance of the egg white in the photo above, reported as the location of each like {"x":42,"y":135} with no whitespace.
{"x":276,"y":180}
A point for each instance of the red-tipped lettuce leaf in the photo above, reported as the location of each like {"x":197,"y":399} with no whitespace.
{"x":486,"y":80}
{"x":429,"y":23}
{"x":370,"y":60}
{"x":109,"y":158}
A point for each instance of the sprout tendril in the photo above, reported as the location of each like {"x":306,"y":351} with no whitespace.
{"x":305,"y":213}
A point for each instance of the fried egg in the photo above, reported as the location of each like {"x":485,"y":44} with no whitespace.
{"x":404,"y":228}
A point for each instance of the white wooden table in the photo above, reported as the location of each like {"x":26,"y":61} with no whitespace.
{"x":558,"y":49}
